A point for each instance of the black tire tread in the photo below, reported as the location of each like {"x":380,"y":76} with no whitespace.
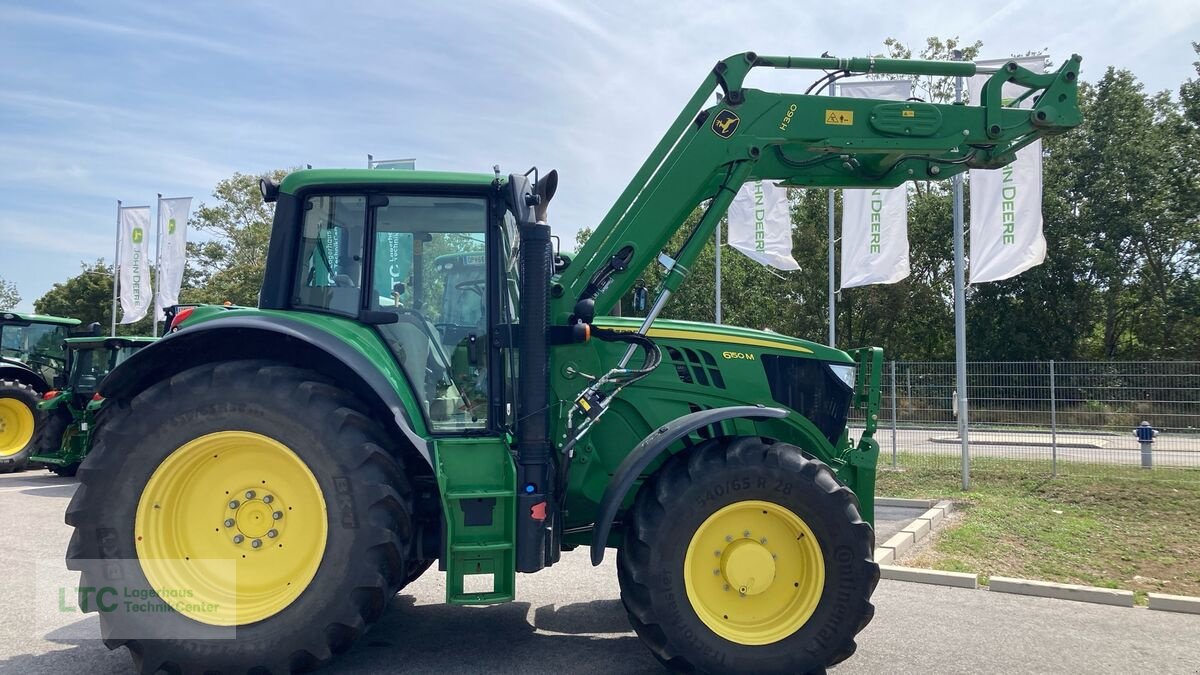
{"x":674,"y":478}
{"x":375,"y":464}
{"x":29,"y":395}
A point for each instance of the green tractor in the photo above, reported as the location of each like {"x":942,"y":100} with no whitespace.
{"x":65,"y":435}
{"x":31,"y":358}
{"x":278,"y":473}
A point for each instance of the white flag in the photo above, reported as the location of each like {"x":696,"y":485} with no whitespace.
{"x":875,"y":222}
{"x":760,"y":225}
{"x":172,"y":251}
{"x":1006,"y":203}
{"x":134,"y":266}
{"x":874,"y":236}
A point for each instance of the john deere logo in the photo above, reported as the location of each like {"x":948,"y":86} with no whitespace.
{"x":137,"y":235}
{"x":171,"y":226}
{"x":725,"y":123}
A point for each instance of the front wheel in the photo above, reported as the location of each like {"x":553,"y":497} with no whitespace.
{"x":266,"y":470}
{"x":19,"y":419}
{"x":747,"y":557}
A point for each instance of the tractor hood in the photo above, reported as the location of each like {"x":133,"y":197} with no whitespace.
{"x":729,"y":337}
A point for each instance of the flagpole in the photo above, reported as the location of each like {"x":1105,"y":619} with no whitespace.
{"x":116,"y":270}
{"x":157,"y":266}
{"x":832,"y":287}
{"x":960,"y":309}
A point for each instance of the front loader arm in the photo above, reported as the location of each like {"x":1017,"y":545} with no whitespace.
{"x":803,"y":141}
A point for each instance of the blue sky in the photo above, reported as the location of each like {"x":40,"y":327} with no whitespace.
{"x":102,"y":101}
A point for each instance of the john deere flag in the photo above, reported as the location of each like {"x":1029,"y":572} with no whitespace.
{"x":172,"y":251}
{"x":1006,"y":203}
{"x":134,"y":265}
{"x":875,"y":222}
{"x":760,"y":225}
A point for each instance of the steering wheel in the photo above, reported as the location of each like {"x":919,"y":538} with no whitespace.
{"x":475,"y":285}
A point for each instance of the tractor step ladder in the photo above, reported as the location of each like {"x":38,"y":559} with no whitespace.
{"x":477,"y":481}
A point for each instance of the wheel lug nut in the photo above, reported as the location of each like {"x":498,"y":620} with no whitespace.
{"x":745,"y":533}
{"x":763,"y":541}
{"x":256,"y":543}
{"x":729,"y":537}
{"x":277,"y":515}
{"x":229,"y":522}
{"x":267,"y":499}
{"x":233,"y":504}
{"x":237,"y":538}
{"x":272,"y":533}
{"x":249,"y":494}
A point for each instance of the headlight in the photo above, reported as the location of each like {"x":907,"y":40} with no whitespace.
{"x":843,"y":373}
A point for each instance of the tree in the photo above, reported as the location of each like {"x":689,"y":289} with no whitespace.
{"x":87,"y":296}
{"x":229,"y":266}
{"x":9,"y":297}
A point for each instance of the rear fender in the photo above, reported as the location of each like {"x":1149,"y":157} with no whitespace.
{"x":275,"y":338}
{"x":20,"y":373}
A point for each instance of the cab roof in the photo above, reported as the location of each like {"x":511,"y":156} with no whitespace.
{"x":38,"y":318}
{"x":108,"y":341}
{"x":299,"y":180}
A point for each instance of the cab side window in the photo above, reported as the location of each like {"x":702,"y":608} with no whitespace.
{"x":330,"y":273}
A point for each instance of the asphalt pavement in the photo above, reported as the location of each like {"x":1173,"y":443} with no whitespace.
{"x":569,"y":618}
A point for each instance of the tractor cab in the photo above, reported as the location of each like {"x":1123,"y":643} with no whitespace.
{"x":35,"y":342}
{"x":90,"y":359}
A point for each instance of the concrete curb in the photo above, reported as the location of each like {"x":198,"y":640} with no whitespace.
{"x":1046,"y":589}
{"x":923,"y":576}
{"x":911,"y":503}
{"x":1174,"y":603}
{"x":898,"y":544}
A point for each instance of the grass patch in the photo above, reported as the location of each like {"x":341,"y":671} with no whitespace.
{"x":1115,"y":531}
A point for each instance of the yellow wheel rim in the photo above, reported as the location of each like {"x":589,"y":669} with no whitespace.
{"x":231,"y":501}
{"x":754,"y":572}
{"x":16,"y":426}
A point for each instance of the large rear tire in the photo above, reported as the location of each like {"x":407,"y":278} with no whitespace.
{"x":264,"y":446}
{"x":19,"y":420}
{"x":744,"y":556}
{"x":49,"y":437}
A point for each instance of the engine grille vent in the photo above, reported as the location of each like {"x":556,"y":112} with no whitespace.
{"x":696,"y":366}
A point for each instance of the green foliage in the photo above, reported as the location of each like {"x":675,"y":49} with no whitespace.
{"x":228,"y":266}
{"x":87,"y":296}
{"x":9,"y":297}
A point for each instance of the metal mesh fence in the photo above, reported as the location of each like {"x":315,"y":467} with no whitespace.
{"x":1070,"y":417}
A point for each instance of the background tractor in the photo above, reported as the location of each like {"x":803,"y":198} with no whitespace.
{"x":70,"y":412}
{"x":330,"y":444}
{"x":31,"y":357}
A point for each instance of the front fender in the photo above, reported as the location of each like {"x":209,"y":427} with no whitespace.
{"x":649,"y":449}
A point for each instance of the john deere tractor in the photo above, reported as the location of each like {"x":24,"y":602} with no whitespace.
{"x":65,"y":435}
{"x":278,"y":473}
{"x":31,"y":357}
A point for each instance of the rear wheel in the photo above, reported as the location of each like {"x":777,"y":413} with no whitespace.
{"x":18,"y":424}
{"x":49,"y":438}
{"x":746,"y":556}
{"x":212,"y":470}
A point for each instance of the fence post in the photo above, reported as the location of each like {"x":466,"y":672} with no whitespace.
{"x":893,"y":413}
{"x":1053,"y":427}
